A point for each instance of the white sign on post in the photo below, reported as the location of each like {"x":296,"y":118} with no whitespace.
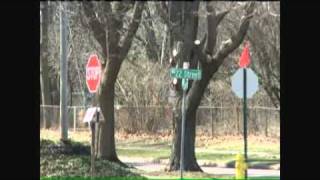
{"x":90,"y":113}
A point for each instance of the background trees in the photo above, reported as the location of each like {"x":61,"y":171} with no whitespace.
{"x":135,"y":42}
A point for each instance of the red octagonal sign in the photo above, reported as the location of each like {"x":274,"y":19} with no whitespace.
{"x":93,"y":73}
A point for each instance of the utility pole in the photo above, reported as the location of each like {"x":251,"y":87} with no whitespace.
{"x":63,"y":74}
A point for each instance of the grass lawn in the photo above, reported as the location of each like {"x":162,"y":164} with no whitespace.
{"x":209,"y":150}
{"x":157,"y":147}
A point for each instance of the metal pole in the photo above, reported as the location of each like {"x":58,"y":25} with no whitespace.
{"x":245,"y":117}
{"x":212,"y":130}
{"x":182,"y":134}
{"x":63,"y":74}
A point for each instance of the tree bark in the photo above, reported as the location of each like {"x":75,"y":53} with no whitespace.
{"x":190,"y":162}
{"x":106,"y":146}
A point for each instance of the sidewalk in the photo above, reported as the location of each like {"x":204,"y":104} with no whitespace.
{"x":151,"y":167}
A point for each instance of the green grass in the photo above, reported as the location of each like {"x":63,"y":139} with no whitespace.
{"x":262,"y":151}
{"x":216,"y":150}
{"x":144,"y":153}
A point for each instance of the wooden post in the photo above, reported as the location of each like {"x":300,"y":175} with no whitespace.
{"x":92,"y":125}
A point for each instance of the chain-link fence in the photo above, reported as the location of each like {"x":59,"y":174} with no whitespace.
{"x":210,"y":120}
{"x":50,"y":117}
{"x":229,"y":120}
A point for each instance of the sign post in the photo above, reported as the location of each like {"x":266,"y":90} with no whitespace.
{"x":185,"y":74}
{"x":184,"y":88}
{"x":245,"y":118}
{"x":91,"y":113}
{"x":245,"y":84}
{"x":93,"y":77}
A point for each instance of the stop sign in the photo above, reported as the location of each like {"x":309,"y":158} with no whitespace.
{"x":93,"y":73}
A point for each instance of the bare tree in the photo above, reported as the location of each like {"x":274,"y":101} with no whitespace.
{"x":183,"y":26}
{"x":115,"y":37}
{"x":265,"y":37}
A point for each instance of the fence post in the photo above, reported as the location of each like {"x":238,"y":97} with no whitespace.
{"x":267,"y":123}
{"x":43,"y":117}
{"x":212,"y":127}
{"x":74,"y":119}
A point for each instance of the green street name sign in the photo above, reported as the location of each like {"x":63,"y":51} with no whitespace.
{"x":194,"y":74}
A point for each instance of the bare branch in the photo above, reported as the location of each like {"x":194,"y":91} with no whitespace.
{"x":133,"y":27}
{"x":163,"y":12}
{"x":199,"y":51}
{"x":231,"y":44}
{"x":116,"y":24}
{"x":112,"y":34}
{"x":164,"y":6}
{"x":213,"y":23}
{"x":96,"y":26}
{"x":271,"y":13}
{"x":107,"y":12}
{"x":220,"y":16}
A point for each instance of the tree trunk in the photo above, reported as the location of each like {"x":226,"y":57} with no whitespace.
{"x":193,"y":99}
{"x":190,"y":161}
{"x":106,"y":144}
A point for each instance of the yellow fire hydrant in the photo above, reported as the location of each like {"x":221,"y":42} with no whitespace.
{"x":241,"y":167}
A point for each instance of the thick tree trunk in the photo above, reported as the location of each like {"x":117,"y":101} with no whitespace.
{"x":190,"y":161}
{"x":192,"y":103}
{"x":106,"y":144}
